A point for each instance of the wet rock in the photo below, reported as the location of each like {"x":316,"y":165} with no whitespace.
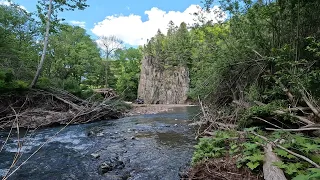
{"x":100,"y":134}
{"x":94,"y":131}
{"x":104,"y":168}
{"x":95,"y":155}
{"x":183,"y":171}
{"x":118,"y":176}
{"x":110,"y":165}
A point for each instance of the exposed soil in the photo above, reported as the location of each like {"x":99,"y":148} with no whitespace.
{"x":220,"y":169}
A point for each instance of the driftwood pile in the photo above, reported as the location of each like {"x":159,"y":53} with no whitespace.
{"x":38,"y":108}
{"x":106,"y":92}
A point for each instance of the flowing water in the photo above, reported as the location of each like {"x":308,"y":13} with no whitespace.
{"x":146,"y":147}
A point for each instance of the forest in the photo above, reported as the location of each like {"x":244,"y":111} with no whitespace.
{"x":74,"y":61}
{"x":255,"y":75}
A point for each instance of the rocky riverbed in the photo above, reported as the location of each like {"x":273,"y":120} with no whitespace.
{"x":150,"y":146}
{"x":139,"y":109}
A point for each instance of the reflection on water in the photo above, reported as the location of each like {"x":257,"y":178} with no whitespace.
{"x":172,"y":138}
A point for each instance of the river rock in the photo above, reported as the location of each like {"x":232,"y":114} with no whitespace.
{"x":111,"y":164}
{"x":95,"y":155}
{"x":100,"y":134}
{"x":104,"y":168}
{"x":94,"y":131}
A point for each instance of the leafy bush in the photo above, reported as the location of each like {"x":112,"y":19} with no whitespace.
{"x":249,"y":150}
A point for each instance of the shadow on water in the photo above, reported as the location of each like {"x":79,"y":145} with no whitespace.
{"x":149,"y":147}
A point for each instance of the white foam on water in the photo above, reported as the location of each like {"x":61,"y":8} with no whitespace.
{"x":35,"y":141}
{"x":3,"y":172}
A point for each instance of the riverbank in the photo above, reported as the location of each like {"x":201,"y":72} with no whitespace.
{"x":141,"y":109}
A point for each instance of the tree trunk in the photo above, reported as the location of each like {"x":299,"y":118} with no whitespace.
{"x":46,"y":39}
{"x":106,"y":69}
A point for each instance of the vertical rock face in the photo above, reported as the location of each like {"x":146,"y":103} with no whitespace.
{"x":163,"y":86}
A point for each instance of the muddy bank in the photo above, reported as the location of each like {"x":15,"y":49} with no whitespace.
{"x":142,"y":147}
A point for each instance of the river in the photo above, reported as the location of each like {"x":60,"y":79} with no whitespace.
{"x":145,"y":147}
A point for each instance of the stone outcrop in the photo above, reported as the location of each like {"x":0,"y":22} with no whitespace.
{"x":159,"y":85}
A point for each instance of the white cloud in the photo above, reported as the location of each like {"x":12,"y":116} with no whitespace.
{"x":132,"y":30}
{"x":7,"y":3}
{"x":78,"y":23}
{"x":22,"y":7}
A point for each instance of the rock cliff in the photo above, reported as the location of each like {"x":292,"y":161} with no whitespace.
{"x":163,"y":85}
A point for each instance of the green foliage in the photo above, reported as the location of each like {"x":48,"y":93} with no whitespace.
{"x":212,"y":147}
{"x":250,"y":153}
{"x":311,"y":174}
{"x":126,"y":68}
{"x":226,"y":143}
{"x":263,"y":111}
{"x":173,"y":49}
{"x":300,"y":144}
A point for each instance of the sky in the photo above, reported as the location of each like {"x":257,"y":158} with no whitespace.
{"x":133,"y":21}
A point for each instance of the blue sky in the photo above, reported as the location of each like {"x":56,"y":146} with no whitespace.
{"x":126,"y":19}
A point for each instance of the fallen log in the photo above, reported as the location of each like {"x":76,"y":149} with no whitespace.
{"x":300,"y":118}
{"x":314,"y":110}
{"x":294,"y":130}
{"x":267,"y":122}
{"x":241,"y":103}
{"x":289,"y":151}
{"x":271,"y":172}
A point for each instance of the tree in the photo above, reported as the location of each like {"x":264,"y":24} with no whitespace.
{"x":45,"y":45}
{"x":109,"y":45}
{"x":18,"y":47}
{"x":74,"y":55}
{"x":59,"y":5}
{"x":126,"y":68}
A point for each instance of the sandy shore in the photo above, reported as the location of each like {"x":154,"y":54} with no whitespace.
{"x":139,"y":109}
